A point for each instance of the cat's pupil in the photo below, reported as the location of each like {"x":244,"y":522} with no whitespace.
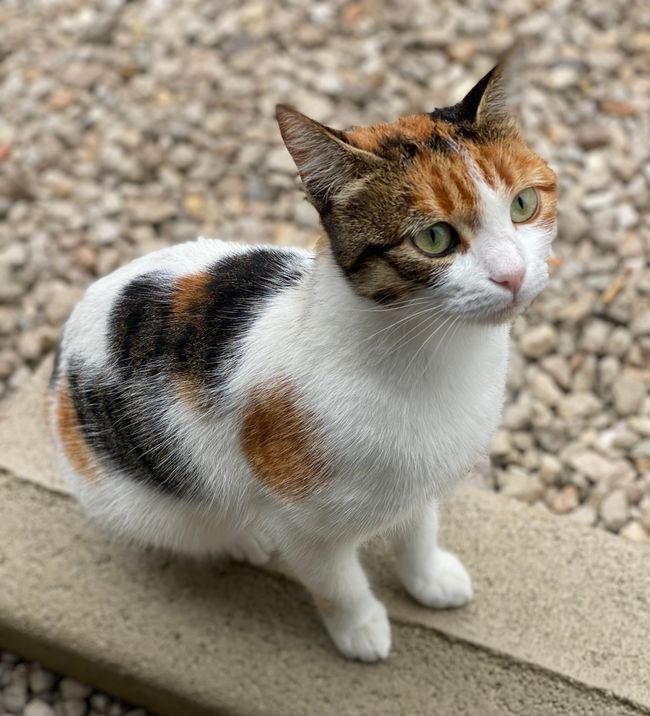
{"x":520,"y":201}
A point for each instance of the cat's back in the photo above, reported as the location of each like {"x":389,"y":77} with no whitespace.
{"x":160,"y":278}
{"x":173,"y":286}
{"x":153,"y":341}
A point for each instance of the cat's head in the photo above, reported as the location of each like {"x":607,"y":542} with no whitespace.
{"x":453,"y":203}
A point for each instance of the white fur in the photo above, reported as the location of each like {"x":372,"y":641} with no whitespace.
{"x":406,"y":401}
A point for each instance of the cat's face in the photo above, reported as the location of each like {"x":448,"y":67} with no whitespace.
{"x":452,"y":205}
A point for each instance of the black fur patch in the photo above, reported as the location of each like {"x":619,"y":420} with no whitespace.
{"x":145,"y":335}
{"x":463,"y":127}
{"x":371,"y":252}
{"x":466,"y":129}
{"x":239,"y":285}
{"x":396,"y":147}
{"x":463,"y":115}
{"x":139,"y":321}
{"x":121,"y":424}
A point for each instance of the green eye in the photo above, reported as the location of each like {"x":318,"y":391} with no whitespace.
{"x":437,"y":240}
{"x":524,"y":205}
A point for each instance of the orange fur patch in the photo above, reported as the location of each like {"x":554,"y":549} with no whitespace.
{"x":280,"y":442}
{"x":441,"y":186}
{"x":513,"y":166}
{"x":415,"y":127}
{"x":190,"y":294}
{"x":189,"y":300}
{"x":547,"y":213}
{"x":191,"y":390}
{"x":74,"y":446}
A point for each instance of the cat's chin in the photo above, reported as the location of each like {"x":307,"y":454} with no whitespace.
{"x":498,"y":317}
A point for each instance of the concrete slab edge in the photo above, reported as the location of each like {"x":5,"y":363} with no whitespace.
{"x":559,"y":691}
{"x":41,"y":631}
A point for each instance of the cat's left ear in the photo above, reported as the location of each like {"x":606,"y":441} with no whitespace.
{"x":493,"y":97}
{"x":324,"y":158}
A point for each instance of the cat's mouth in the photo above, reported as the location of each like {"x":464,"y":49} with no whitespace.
{"x":495,"y":315}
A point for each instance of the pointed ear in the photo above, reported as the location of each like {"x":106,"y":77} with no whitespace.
{"x":493,"y":96}
{"x":325,"y":160}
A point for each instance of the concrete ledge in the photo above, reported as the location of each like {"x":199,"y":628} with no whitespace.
{"x":560,"y":623}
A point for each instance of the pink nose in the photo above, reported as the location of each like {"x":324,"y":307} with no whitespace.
{"x":511,"y":280}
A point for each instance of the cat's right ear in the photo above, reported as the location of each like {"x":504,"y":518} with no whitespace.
{"x":325,"y":160}
{"x":495,"y":96}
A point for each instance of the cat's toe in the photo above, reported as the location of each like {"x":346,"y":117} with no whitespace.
{"x":256,"y":549}
{"x":444,"y":585}
{"x":368,"y":641}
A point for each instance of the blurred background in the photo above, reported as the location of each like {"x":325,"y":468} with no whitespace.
{"x":128,"y":126}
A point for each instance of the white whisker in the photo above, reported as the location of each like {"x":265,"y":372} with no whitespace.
{"x":415,"y":355}
{"x":426,"y":323}
{"x":402,"y":320}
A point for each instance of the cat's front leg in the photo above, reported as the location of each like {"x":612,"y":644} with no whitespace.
{"x":431,"y":575}
{"x":355,"y":619}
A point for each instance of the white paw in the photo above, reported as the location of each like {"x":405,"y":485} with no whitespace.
{"x":254,"y":548}
{"x":368,"y":640}
{"x":443,"y":584}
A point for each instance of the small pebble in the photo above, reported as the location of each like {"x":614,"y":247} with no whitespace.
{"x":41,"y":680}
{"x":14,"y":695}
{"x":520,"y":485}
{"x":538,"y":341}
{"x":563,"y":500}
{"x":75,"y":707}
{"x":613,"y":510}
{"x":38,"y":708}
{"x":628,"y":392}
{"x":635,"y":533}
{"x":72,"y":689}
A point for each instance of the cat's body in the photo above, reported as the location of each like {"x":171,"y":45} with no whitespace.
{"x":362,"y":410}
{"x":217,"y":398}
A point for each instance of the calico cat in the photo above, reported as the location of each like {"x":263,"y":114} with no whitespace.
{"x":216,"y":398}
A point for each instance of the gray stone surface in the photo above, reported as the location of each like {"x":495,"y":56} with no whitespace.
{"x":26,"y":449}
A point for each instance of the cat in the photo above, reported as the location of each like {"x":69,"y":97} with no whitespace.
{"x":214,"y":398}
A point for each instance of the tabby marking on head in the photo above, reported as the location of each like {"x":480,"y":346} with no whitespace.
{"x":376,"y":187}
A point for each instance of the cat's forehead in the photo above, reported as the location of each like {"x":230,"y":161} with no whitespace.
{"x":446,"y":161}
{"x":420,"y":129}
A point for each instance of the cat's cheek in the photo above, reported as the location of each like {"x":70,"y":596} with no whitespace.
{"x":537,"y":278}
{"x":536,"y":249}
{"x":458,"y":274}
{"x":464,"y":279}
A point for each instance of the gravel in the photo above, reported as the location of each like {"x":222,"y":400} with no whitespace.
{"x":27,"y":689}
{"x":128,"y":126}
